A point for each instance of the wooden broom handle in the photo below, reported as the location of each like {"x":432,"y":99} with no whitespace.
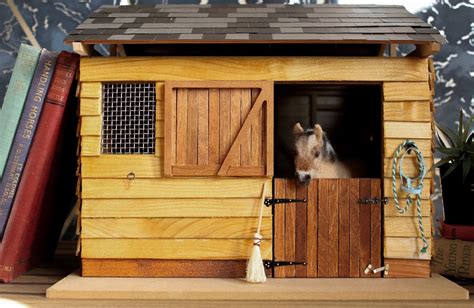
{"x":262,"y":204}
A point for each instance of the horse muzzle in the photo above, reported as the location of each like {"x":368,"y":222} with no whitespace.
{"x":303,"y":178}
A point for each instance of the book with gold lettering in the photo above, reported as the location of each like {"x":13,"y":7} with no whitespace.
{"x":24,"y":134}
{"x":12,"y":106}
{"x":28,"y":232}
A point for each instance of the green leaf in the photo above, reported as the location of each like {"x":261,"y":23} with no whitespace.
{"x":450,"y":151}
{"x":439,"y":140}
{"x":470,"y":147}
{"x":469,"y":140}
{"x":441,"y":162}
{"x":451,"y":168}
{"x":466,"y":168}
{"x":453,"y":138}
{"x":467,"y":128}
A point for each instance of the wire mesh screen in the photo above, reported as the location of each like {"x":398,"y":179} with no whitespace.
{"x":128,"y":124}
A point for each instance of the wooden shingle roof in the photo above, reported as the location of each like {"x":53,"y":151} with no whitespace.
{"x":267,"y":23}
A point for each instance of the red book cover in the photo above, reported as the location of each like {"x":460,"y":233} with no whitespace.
{"x":459,"y":232}
{"x":25,"y":240}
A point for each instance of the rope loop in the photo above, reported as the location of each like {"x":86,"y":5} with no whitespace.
{"x":412,"y":186}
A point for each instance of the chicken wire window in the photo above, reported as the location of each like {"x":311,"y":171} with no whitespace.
{"x":128,"y":123}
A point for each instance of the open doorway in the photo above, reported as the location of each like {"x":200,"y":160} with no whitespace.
{"x":333,"y":233}
{"x":349,"y":114}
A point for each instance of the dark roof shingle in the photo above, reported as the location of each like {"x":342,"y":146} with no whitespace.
{"x":267,"y":23}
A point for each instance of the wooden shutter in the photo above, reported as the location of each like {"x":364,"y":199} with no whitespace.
{"x":220,"y":128}
{"x":334,"y":234}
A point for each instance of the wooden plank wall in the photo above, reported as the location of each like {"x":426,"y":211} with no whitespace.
{"x":407,"y":114}
{"x":334,"y":234}
{"x":152,"y":226}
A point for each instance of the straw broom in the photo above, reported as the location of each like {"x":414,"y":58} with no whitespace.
{"x":255,"y":268}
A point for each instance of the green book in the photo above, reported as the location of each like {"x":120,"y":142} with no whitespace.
{"x":15,"y":98}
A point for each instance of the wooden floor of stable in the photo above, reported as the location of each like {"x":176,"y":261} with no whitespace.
{"x":29,"y":290}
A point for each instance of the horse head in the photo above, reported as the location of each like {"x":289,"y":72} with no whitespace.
{"x":312,"y":147}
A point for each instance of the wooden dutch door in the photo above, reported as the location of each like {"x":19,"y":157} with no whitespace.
{"x":218,"y":128}
{"x":335,"y":233}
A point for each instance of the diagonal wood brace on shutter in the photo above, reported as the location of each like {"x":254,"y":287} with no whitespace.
{"x":251,"y":117}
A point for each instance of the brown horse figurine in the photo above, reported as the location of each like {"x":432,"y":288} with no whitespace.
{"x":314,"y":156}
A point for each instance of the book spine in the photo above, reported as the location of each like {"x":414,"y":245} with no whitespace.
{"x":20,"y":248}
{"x":460,"y":232}
{"x":24,"y":134}
{"x":10,"y":110}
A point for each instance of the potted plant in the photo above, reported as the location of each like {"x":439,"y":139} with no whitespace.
{"x":457,"y":171}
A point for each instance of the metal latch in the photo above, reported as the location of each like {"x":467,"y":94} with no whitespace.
{"x":271,"y":264}
{"x":270,"y":202}
{"x":383,"y":200}
{"x":384,"y":268}
{"x":370,"y":268}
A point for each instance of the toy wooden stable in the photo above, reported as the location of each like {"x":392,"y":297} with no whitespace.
{"x":181,"y":126}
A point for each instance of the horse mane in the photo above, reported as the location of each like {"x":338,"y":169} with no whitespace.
{"x":328,"y":150}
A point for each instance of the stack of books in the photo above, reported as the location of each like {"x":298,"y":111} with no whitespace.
{"x":32,"y":125}
{"x":454,"y":252}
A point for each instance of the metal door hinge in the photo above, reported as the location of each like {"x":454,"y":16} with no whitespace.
{"x":270,"y":264}
{"x":270,"y":202}
{"x":383,"y":200}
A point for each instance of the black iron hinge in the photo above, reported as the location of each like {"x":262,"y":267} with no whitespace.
{"x":271,"y":264}
{"x":270,"y":202}
{"x":383,"y":200}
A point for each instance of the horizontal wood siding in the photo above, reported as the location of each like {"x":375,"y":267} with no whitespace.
{"x":407,"y":114}
{"x":91,"y":89}
{"x":119,"y":166}
{"x":391,"y":144}
{"x":406,"y":268}
{"x":425,"y":194}
{"x":175,"y":228}
{"x":108,"y":193}
{"x":338,"y":69}
{"x":407,"y":130}
{"x":175,"y":220}
{"x":406,"y":226}
{"x":174,"y":188}
{"x":155,"y":208}
{"x":406,"y":91}
{"x":90,"y":106}
{"x":410,"y":166}
{"x":91,"y":125}
{"x":407,"y":111}
{"x":405,"y":248}
{"x":199,"y":249}
{"x":165,"y":268}
{"x":390,"y":209}
{"x":90,"y":145}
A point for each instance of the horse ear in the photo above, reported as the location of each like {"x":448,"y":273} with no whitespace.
{"x":298,"y":129}
{"x":328,"y":150}
{"x":318,"y":132}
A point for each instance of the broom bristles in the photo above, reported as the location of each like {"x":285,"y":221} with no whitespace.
{"x":255,"y":268}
